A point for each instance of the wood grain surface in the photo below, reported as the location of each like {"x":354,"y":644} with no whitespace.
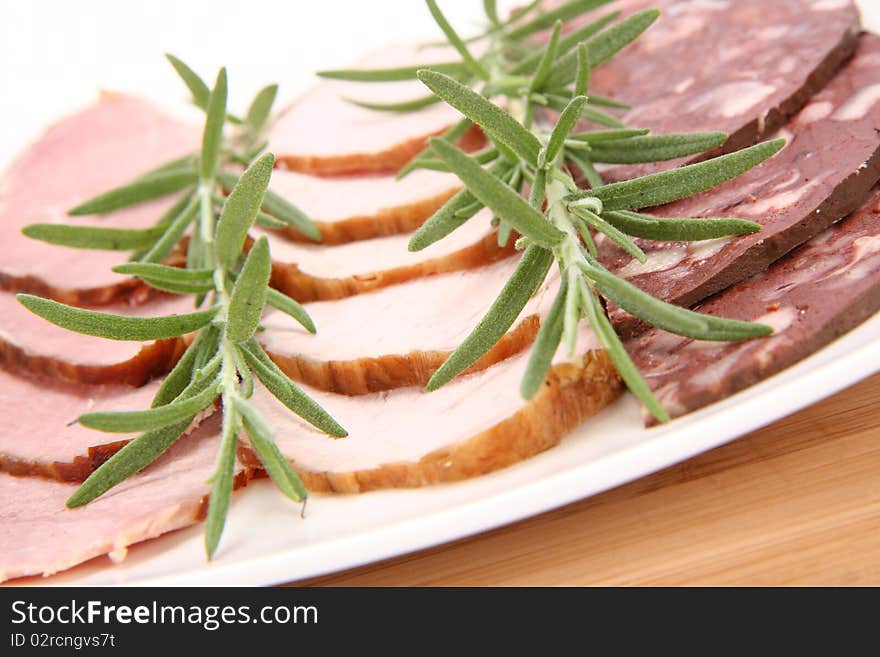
{"x":795,"y":503}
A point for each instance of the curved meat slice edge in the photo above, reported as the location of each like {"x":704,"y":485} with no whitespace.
{"x":472,"y":426}
{"x":34,"y":346}
{"x":351,"y":208}
{"x":40,"y":536}
{"x":354,"y":139}
{"x":41,"y":437}
{"x":313,"y":272}
{"x":398,"y":336}
{"x":85,"y":154}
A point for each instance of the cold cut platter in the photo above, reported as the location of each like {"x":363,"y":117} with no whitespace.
{"x":626,"y":165}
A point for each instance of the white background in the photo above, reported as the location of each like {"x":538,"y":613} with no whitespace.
{"x":48,"y":48}
{"x":54,"y":56}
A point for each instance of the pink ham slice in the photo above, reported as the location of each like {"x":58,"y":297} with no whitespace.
{"x":826,"y":171}
{"x":40,"y":536}
{"x":37,"y":441}
{"x":740,"y":66}
{"x":320,"y":133}
{"x":100,"y":147}
{"x":313,"y":272}
{"x":31,"y":344}
{"x":400,"y":335}
{"x":472,"y":426}
{"x":350,"y":208}
{"x":812,"y":296}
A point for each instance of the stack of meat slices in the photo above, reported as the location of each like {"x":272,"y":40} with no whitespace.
{"x":387,"y":318}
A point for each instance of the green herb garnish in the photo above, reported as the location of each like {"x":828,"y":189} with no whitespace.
{"x":558,"y":222}
{"x":223,"y":360}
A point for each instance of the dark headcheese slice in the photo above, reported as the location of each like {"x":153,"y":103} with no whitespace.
{"x":740,"y":66}
{"x":812,"y":296}
{"x":826,"y":171}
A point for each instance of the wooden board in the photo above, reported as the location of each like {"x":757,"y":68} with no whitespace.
{"x":795,"y":503}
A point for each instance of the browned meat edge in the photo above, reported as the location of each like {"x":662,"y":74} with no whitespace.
{"x":365,"y":375}
{"x":152,"y":360}
{"x":390,"y":160}
{"x":571,"y":394}
{"x":131,"y":290}
{"x":79,"y":469}
{"x":388,"y":221}
{"x":76,"y":471}
{"x":288,"y":278}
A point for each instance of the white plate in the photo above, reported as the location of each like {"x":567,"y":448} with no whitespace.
{"x":265,"y":541}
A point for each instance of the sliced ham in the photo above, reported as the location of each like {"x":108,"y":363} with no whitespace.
{"x":472,"y":426}
{"x":321,"y":133}
{"x":400,"y":335}
{"x":38,"y":439}
{"x":98,"y":148}
{"x":740,"y":66}
{"x":312,"y":272}
{"x":826,"y":171}
{"x":349,"y":208}
{"x":40,"y":536}
{"x":812,"y":296}
{"x":31,"y":344}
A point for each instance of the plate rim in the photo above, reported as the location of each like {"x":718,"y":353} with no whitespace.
{"x":676,"y":444}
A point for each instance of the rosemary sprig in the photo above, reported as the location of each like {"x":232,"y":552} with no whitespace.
{"x":559,"y":221}
{"x":241,"y":147}
{"x":223,"y":359}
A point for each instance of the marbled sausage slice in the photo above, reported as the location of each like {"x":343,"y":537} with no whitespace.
{"x":83,"y":155}
{"x":826,"y":171}
{"x":740,"y":66}
{"x":40,"y":536}
{"x":812,"y":296}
